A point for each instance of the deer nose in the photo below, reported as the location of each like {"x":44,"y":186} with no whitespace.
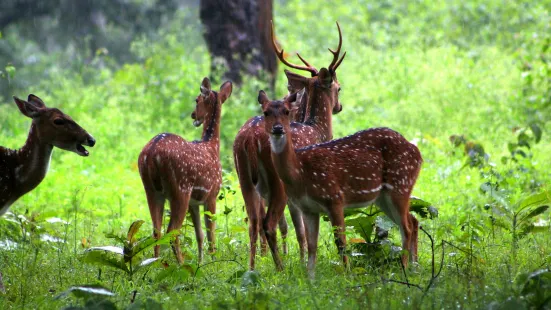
{"x":193,"y":115}
{"x":277,"y":129}
{"x":91,"y":141}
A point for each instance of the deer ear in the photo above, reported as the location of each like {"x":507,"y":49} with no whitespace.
{"x":36,"y":101}
{"x":263,"y":98}
{"x":27,"y":109}
{"x":295,"y":100}
{"x":325,"y":77}
{"x":205,"y":86}
{"x":296,"y":81}
{"x":225,"y":91}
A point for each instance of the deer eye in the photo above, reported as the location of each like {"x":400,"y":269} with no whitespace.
{"x":59,"y":121}
{"x":339,"y":90}
{"x":286,"y":112}
{"x":266,"y":113}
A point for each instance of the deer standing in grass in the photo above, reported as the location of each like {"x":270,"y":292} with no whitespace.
{"x":253,"y":162}
{"x":377,"y":165}
{"x":22,"y":170}
{"x":187,"y":174}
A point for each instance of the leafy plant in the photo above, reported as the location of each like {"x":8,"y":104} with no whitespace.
{"x":518,"y":218}
{"x":535,"y":288}
{"x":374,"y":243}
{"x":125,"y":258}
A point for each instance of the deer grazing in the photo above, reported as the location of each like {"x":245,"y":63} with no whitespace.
{"x":22,"y":170}
{"x":187,"y":174}
{"x":377,"y":165}
{"x":253,"y":162}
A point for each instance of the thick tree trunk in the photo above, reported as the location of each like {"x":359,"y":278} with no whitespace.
{"x":237,"y":33}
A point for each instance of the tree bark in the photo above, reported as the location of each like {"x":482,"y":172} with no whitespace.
{"x":237,"y":33}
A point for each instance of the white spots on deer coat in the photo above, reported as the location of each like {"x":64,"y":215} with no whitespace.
{"x":354,"y":170}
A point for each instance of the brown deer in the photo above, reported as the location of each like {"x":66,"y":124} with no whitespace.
{"x":187,"y":174}
{"x":253,"y":162}
{"x":22,"y":170}
{"x":377,"y":165}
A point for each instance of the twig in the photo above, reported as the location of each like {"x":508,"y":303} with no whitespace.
{"x":460,"y":249}
{"x":402,"y":282}
{"x":434,"y":274}
{"x":215,"y":261}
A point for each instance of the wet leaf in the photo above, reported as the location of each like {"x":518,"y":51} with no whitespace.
{"x":85,"y":291}
{"x":536,"y":130}
{"x":133,"y":230}
{"x":109,"y":256}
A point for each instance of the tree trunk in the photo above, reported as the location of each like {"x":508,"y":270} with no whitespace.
{"x":237,"y":33}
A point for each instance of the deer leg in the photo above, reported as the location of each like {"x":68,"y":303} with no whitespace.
{"x":252,"y":204}
{"x":263,"y":239}
{"x":156,"y":201}
{"x":414,"y":224}
{"x":178,"y":209}
{"x":210,"y":225}
{"x":284,"y":229}
{"x":336,"y":216}
{"x":196,"y":219}
{"x":275,"y":212}
{"x":296,"y":216}
{"x":312,"y":223}
{"x":401,"y":217}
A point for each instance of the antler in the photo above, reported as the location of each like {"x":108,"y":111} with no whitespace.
{"x":279,"y":54}
{"x":336,"y":61}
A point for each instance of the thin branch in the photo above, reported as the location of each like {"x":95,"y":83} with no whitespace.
{"x":215,"y":261}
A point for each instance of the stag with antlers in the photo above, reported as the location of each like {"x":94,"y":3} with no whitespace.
{"x":253,"y":162}
{"x":377,"y":165}
{"x":187,"y":174}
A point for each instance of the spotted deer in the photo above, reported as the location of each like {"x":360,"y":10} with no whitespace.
{"x":377,"y":165}
{"x":187,"y":174}
{"x":253,"y":162}
{"x":22,"y":170}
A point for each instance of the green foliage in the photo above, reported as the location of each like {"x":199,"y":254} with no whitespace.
{"x":125,"y":258}
{"x":519,"y":218}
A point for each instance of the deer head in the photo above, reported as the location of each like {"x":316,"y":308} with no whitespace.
{"x":205,"y":102}
{"x":323,"y":80}
{"x":55,"y":127}
{"x":277,"y":114}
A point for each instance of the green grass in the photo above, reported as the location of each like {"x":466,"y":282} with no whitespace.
{"x":426,"y":70}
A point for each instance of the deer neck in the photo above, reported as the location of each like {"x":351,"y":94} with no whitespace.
{"x":320,"y":112}
{"x":285,"y":159}
{"x":211,"y":129}
{"x":33,"y":161}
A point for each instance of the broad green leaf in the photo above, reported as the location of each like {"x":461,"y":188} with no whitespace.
{"x":422,"y":207}
{"x":534,"y":212}
{"x":363,"y":225}
{"x":110,"y":256}
{"x":236,"y":276}
{"x":535,"y":200}
{"x":536,"y":130}
{"x":250,"y":278}
{"x":133,"y":230}
{"x":530,"y":229}
{"x":86,"y":291}
{"x":112,"y":235}
{"x":145,"y":263}
{"x":148,"y":242}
